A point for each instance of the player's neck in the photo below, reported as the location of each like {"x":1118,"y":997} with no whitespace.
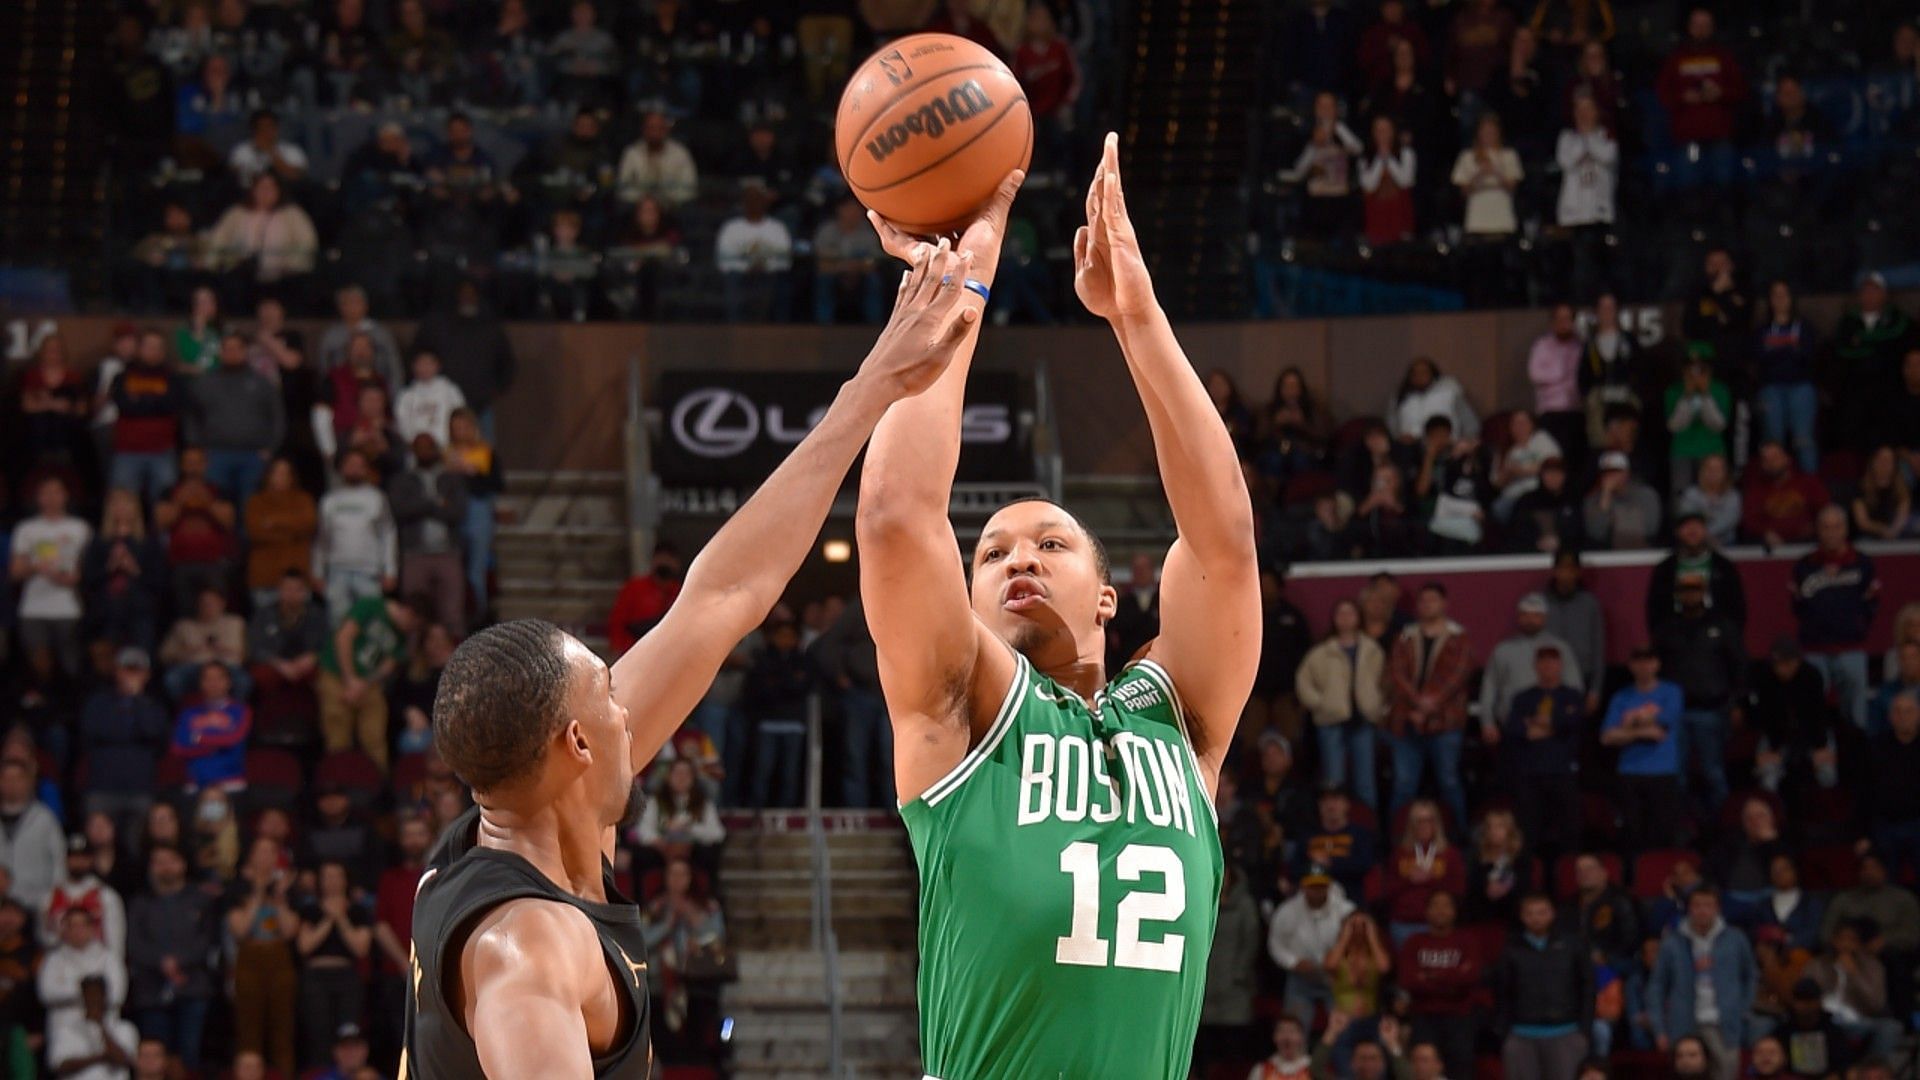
{"x":1084,"y":677}
{"x":568,"y":856}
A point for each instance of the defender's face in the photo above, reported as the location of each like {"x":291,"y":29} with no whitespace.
{"x":1036,"y":577}
{"x":603,"y":723}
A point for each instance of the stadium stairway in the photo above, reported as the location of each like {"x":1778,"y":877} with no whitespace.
{"x":1191,"y":73}
{"x":779,"y":1005}
{"x":53,"y":56}
{"x":561,"y":550}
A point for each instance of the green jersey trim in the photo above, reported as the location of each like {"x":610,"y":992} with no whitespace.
{"x":1002,"y":722}
{"x":1158,"y":674}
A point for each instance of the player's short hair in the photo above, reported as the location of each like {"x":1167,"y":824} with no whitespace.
{"x":1101,"y":562}
{"x":502,"y":698}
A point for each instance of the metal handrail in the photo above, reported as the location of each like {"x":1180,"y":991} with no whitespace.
{"x":1048,"y":467}
{"x":825,"y":941}
{"x":642,"y":487}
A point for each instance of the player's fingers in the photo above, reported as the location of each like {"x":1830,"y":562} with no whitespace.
{"x":1081,"y":247}
{"x":1116,"y":197}
{"x":953,"y":288}
{"x":1110,"y":153}
{"x":1093,"y":197}
{"x":916,"y":275}
{"x":1002,"y":202}
{"x":938,"y":265}
{"x":957,"y":327}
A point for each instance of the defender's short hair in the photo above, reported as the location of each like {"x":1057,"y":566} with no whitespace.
{"x":501,"y":699}
{"x":1101,"y":562}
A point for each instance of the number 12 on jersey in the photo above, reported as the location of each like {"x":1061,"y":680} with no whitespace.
{"x":1084,"y":947}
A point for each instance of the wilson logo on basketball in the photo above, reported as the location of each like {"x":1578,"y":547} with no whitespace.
{"x":962,"y":103}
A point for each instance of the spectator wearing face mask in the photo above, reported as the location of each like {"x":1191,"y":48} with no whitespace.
{"x":644,"y":599}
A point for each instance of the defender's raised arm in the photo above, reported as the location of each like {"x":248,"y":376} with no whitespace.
{"x":742,"y":572}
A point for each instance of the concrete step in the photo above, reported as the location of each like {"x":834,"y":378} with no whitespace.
{"x":801,"y":1034}
{"x":569,"y":612}
{"x":796,"y":931}
{"x":565,"y":482}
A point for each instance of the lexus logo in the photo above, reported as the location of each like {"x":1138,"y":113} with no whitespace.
{"x":715,"y":423}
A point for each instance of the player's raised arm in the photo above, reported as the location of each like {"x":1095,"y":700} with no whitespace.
{"x":933,"y":653}
{"x":741,"y":573}
{"x":1209,"y":589}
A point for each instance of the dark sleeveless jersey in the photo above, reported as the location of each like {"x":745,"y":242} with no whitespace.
{"x":463,"y":882}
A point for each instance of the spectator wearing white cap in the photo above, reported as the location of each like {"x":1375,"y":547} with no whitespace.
{"x":80,"y":887}
{"x":1510,"y":667}
{"x":1303,"y":932}
{"x":1622,"y":512}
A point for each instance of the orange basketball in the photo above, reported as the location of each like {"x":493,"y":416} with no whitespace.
{"x":927,"y":129}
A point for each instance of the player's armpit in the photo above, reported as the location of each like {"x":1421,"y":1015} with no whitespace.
{"x":1210,"y":644}
{"x":527,"y":974}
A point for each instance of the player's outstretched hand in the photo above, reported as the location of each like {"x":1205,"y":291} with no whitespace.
{"x":1109,"y":273}
{"x":981,"y":238}
{"x":928,"y":322}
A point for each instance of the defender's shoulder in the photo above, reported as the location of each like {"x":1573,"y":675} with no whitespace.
{"x":530,"y":938}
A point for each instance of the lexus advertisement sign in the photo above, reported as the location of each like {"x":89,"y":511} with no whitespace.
{"x":733,"y":428}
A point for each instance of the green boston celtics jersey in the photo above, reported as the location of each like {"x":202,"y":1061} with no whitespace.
{"x":1069,"y":884}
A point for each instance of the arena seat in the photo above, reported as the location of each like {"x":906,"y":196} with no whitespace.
{"x":1651,"y":868}
{"x":1728,"y":819}
{"x":409,"y":772}
{"x":352,"y":771}
{"x":1563,"y":880}
{"x":1829,"y":867}
{"x":170,"y":772}
{"x":274,"y":778}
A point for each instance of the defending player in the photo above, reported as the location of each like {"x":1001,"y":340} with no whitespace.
{"x":527,"y":962}
{"x":1069,"y":858}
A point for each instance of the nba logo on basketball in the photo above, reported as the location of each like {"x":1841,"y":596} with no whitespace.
{"x":895,"y":67}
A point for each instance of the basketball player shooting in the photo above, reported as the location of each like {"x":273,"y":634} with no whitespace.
{"x":1063,"y":823}
{"x":527,"y":962}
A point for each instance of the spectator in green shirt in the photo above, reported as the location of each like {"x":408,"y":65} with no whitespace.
{"x":356,"y":664}
{"x":196,"y":343}
{"x":1699,"y":410}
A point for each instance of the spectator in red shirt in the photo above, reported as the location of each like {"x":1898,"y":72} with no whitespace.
{"x":1702,"y":87}
{"x":1780,"y":501}
{"x":1050,"y":74}
{"x":148,"y":398}
{"x":1377,"y":41}
{"x":393,"y":925}
{"x":1422,"y":865}
{"x":1440,"y":969}
{"x":199,"y":527}
{"x":644,"y":599}
{"x":345,"y":382}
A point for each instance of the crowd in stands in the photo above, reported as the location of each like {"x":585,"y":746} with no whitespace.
{"x":238,"y":558}
{"x":1750,"y":423}
{"x":588,"y":160}
{"x":1450,"y":856}
{"x":1515,"y":152}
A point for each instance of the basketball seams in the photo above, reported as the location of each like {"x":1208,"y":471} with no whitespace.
{"x":919,"y":87}
{"x":958,"y":150}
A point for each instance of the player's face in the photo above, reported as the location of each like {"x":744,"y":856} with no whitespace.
{"x":1036,"y":578}
{"x":604,"y":723}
